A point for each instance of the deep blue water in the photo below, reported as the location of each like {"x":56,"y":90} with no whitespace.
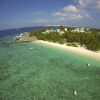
{"x":11,"y":32}
{"x":7,"y":36}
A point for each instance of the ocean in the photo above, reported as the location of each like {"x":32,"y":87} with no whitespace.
{"x":8,"y":35}
{"x":46,"y":73}
{"x":10,"y":32}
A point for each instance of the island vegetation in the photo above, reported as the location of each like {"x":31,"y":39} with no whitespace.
{"x":89,"y":38}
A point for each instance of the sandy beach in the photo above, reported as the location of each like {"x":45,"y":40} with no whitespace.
{"x":77,"y":50}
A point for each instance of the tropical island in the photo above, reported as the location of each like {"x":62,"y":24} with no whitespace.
{"x":50,"y":50}
{"x":71,"y":36}
{"x":84,"y":41}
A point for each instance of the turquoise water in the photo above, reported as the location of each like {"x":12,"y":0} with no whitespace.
{"x":38,"y":72}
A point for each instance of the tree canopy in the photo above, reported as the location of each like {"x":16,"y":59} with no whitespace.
{"x":90,"y":39}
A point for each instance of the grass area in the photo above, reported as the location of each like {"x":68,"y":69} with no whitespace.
{"x":72,"y":44}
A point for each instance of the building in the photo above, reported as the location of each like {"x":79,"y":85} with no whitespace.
{"x":87,"y":29}
{"x":65,"y":30}
{"x":75,"y":30}
{"x":82,"y":29}
{"x":53,"y":30}
{"x":58,"y":30}
{"x":61,"y":32}
{"x":47,"y":31}
{"x":79,"y":30}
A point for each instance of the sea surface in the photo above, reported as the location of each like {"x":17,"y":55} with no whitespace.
{"x":8,"y":35}
{"x":33,"y":71}
{"x":10,"y":32}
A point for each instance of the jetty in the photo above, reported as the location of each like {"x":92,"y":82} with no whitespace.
{"x":26,"y":38}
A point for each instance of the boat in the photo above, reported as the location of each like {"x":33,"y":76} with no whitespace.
{"x":18,"y":37}
{"x":88,"y":64}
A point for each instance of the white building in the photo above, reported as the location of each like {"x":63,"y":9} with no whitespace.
{"x":66,"y":29}
{"x":58,"y":30}
{"x":87,"y":29}
{"x":78,"y":30}
{"x":61,"y":32}
{"x":82,"y":29}
{"x":75,"y":30}
{"x":47,"y":31}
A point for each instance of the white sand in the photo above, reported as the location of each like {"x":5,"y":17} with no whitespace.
{"x":78,"y":50}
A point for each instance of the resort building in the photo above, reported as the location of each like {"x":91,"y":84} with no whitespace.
{"x":75,"y":30}
{"x":61,"y":32}
{"x":58,"y":30}
{"x":50,"y":31}
{"x":53,"y":30}
{"x":47,"y":31}
{"x":87,"y":29}
{"x":82,"y":30}
{"x":78,"y":30}
{"x":65,"y":30}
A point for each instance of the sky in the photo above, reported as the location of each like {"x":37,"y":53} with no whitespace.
{"x":27,"y":13}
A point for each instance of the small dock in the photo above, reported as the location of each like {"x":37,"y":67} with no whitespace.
{"x":26,"y":38}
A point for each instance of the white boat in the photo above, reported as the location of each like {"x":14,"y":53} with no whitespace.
{"x":18,"y":37}
{"x":88,"y":64}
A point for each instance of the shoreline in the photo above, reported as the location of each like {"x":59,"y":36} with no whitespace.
{"x":77,"y":50}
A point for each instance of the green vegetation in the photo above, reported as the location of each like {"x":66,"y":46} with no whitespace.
{"x":91,"y":38}
{"x":54,"y":36}
{"x":72,"y":44}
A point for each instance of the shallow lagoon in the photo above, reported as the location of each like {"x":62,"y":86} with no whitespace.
{"x":38,"y":72}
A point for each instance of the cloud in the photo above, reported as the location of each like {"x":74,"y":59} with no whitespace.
{"x":70,"y":8}
{"x":95,"y":4}
{"x":98,"y":5}
{"x":88,"y":16}
{"x":59,"y":14}
{"x":83,"y":12}
{"x":77,"y":17}
{"x":66,"y":11}
{"x":62,"y":18}
{"x":72,"y":12}
{"x":84,"y":2}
